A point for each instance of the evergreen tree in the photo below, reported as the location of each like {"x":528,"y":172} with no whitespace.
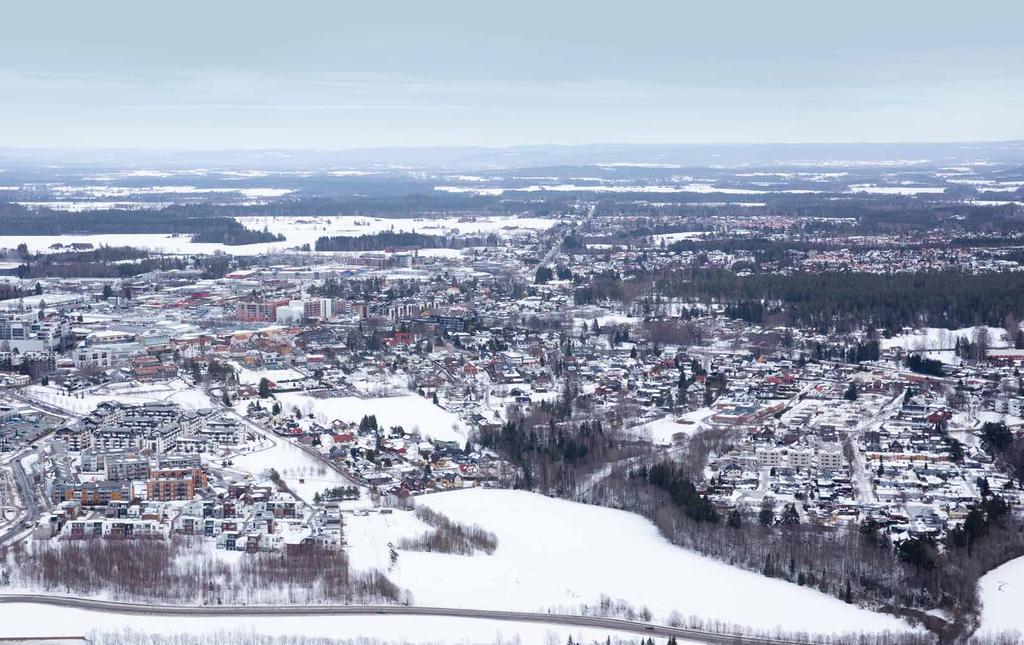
{"x":767,"y":513}
{"x":264,"y":388}
{"x":735,"y":519}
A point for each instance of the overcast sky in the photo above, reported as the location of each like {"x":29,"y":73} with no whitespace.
{"x":217,"y":74}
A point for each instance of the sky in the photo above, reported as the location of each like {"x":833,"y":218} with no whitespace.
{"x":223,"y":74}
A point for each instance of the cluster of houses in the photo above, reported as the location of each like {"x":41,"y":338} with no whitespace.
{"x":489,"y":337}
{"x":158,"y":427}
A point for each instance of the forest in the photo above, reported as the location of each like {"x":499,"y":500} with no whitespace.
{"x":196,"y":221}
{"x":102,"y":262}
{"x":831,"y":301}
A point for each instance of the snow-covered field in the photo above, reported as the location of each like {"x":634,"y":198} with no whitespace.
{"x":306,"y":230}
{"x":410,"y":411}
{"x":669,"y":238}
{"x":604,"y":318}
{"x":934,"y":338}
{"x":557,"y":554}
{"x":872,"y":189}
{"x":35,"y":620}
{"x":304,"y":474}
{"x":176,"y":391}
{"x":297,"y":231}
{"x":154,"y":242}
{"x":248,"y":376}
{"x":617,"y":188}
{"x":83,"y":206}
{"x":1002,"y":599}
{"x":662,"y":431}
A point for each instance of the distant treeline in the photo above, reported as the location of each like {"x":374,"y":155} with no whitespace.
{"x":874,"y":214}
{"x":392,"y":240}
{"x":196,"y":221}
{"x":231,"y":233}
{"x":10,"y":291}
{"x":832,"y":300}
{"x":103,"y":262}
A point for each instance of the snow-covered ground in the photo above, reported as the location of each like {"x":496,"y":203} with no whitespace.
{"x":934,"y":338}
{"x":297,"y":231}
{"x":304,"y":473}
{"x":154,"y":242}
{"x":872,"y":189}
{"x":617,"y":188}
{"x":410,"y":411}
{"x":604,"y":318}
{"x":175,"y":391}
{"x":1002,"y":599}
{"x":35,"y":620}
{"x":248,"y":376}
{"x":557,"y":554}
{"x":669,"y":238}
{"x":663,"y":430}
{"x":306,"y":230}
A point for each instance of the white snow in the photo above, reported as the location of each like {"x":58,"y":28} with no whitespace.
{"x":154,"y":242}
{"x":616,"y":188}
{"x":175,"y":391}
{"x":935,"y":338}
{"x":1002,"y":598}
{"x":297,"y":231}
{"x":248,"y":376}
{"x":81,"y":207}
{"x":663,"y":430}
{"x":303,"y":230}
{"x":134,"y":191}
{"x":896,"y":190}
{"x":668,"y":238}
{"x":555,"y":554}
{"x":410,"y":411}
{"x":36,"y":620}
{"x":304,"y":474}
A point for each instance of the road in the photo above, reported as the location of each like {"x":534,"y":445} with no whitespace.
{"x":552,"y":255}
{"x":45,"y":407}
{"x":28,"y":499}
{"x":274,"y":440}
{"x":861,"y":476}
{"x":612,"y":624}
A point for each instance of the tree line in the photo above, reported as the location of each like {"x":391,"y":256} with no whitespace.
{"x":195,"y":221}
{"x":182,"y":570}
{"x":832,"y":300}
{"x":400,"y":240}
{"x":101,"y":262}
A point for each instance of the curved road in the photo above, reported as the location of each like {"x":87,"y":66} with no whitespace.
{"x":614,"y":624}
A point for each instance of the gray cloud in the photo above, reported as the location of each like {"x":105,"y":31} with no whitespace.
{"x":326,"y":74}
